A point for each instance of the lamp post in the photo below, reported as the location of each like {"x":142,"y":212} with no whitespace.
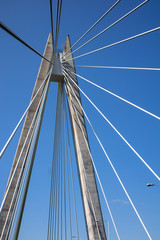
{"x":152,"y":184}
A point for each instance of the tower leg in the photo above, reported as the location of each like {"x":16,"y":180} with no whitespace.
{"x":12,"y":190}
{"x":91,"y":203}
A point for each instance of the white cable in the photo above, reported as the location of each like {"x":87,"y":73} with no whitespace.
{"x":19,"y":158}
{"x":115,"y":95}
{"x":96,"y":170}
{"x":17,"y":184}
{"x":17,"y":201}
{"x":73,"y":186}
{"x":113,"y":170}
{"x":23,"y":176}
{"x":92,"y":27}
{"x":116,"y":43}
{"x":88,"y":189}
{"x":24,"y":114}
{"x":127,"y":14}
{"x":118,"y":132}
{"x":114,"y":67}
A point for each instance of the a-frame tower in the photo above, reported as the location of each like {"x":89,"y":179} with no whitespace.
{"x":26,"y":149}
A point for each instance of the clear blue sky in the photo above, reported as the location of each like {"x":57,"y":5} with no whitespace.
{"x":18,"y":70}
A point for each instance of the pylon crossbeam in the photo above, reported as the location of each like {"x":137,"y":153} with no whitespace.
{"x":57,"y":75}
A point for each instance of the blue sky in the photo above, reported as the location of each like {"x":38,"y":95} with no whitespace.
{"x":18,"y":70}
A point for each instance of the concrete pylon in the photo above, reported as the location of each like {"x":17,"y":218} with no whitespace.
{"x":91,"y":203}
{"x":11,"y":194}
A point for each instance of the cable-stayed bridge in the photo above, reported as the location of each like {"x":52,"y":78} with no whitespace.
{"x":58,"y":67}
